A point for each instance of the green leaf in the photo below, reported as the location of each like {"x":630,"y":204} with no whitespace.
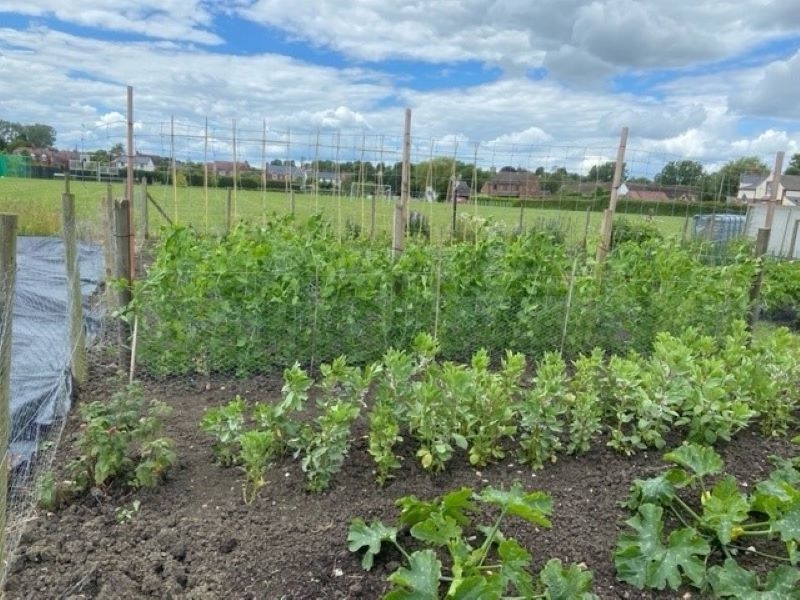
{"x":684,"y":546}
{"x":725,"y":509}
{"x":701,"y":460}
{"x":642,"y":560}
{"x":788,"y":525}
{"x":572,"y":583}
{"x":732,"y":581}
{"x":531,"y":506}
{"x":475,"y":588}
{"x":359,"y":535}
{"x":656,"y":490}
{"x":515,"y":563}
{"x":420,"y":581}
{"x":437,"y":529}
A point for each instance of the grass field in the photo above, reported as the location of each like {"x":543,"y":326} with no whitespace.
{"x":38,"y":204}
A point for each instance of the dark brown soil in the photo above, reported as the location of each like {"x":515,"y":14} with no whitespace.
{"x":194,"y":538}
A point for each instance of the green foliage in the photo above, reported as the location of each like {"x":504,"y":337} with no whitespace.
{"x":724,"y":522}
{"x":120,"y":439}
{"x":262,"y":297}
{"x":482,"y":562}
{"x":542,"y":412}
{"x":225,"y":424}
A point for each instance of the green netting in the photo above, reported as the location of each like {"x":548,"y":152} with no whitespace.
{"x":12,"y":165}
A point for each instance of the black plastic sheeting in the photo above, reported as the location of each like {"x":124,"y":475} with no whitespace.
{"x":41,"y":387}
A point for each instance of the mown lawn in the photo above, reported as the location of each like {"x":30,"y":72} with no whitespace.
{"x":38,"y":204}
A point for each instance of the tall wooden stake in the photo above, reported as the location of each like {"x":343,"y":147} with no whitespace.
{"x":608,"y":215}
{"x":77,"y":337}
{"x":235,"y":173}
{"x":129,"y":183}
{"x":8,"y":270}
{"x":122,"y":272}
{"x":401,"y":209}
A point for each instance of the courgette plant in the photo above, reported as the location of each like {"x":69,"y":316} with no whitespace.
{"x":693,"y":522}
{"x":480,"y":561}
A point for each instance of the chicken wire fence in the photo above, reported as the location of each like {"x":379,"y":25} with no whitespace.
{"x":261,"y":321}
{"x":38,"y":370}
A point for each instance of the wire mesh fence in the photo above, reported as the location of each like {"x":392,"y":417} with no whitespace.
{"x":40,"y":357}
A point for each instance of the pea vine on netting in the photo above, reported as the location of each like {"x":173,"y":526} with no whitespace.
{"x":262,"y":297}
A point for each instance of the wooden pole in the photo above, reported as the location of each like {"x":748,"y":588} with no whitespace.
{"x":122,"y":234}
{"x":108,"y":234}
{"x":773,"y":192}
{"x":228,"y":212}
{"x":205,"y":173}
{"x":401,"y":209}
{"x":8,"y":270}
{"x":129,"y":183}
{"x":143,"y":209}
{"x":608,"y":215}
{"x":235,"y":175}
{"x":762,"y":242}
{"x":174,"y":167}
{"x":77,"y":336}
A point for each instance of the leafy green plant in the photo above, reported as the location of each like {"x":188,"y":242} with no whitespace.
{"x":384,"y":433}
{"x":324,"y":443}
{"x":723,"y":522}
{"x":226,"y":424}
{"x":256,"y":448}
{"x":542,"y":412}
{"x":584,"y":402}
{"x":493,"y":567}
{"x":640,"y":414}
{"x":489,"y":405}
{"x":121,"y":439}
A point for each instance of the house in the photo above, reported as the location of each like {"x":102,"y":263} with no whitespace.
{"x":655,"y":192}
{"x":462,"y":192}
{"x":788,"y":193}
{"x":225,"y":168}
{"x":283,"y":173}
{"x":141,"y":162}
{"x":748,"y":183}
{"x":511,"y":183}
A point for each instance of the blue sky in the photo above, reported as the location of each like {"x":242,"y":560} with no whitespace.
{"x":508,"y":81}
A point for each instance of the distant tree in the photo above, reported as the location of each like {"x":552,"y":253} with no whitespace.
{"x":276,"y":162}
{"x":39,"y":135}
{"x":605,"y":172}
{"x":794,"y":166}
{"x":684,"y":172}
{"x":726,"y":180}
{"x":9,"y":131}
{"x":117,"y":150}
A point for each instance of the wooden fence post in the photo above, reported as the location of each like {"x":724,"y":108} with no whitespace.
{"x":122,"y":272}
{"x":77,"y":336}
{"x":8,"y":271}
{"x":762,"y":243}
{"x":228,"y":212}
{"x":401,"y":209}
{"x":606,"y":225}
{"x":143,"y":213}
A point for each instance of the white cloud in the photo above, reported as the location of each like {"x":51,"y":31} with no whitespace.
{"x":773,"y":91}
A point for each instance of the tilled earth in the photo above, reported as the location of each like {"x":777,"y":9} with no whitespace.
{"x":194,"y":538}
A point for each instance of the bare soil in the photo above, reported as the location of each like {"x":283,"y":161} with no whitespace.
{"x":194,"y":538}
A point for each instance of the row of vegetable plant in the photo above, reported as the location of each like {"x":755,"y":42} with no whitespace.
{"x":689,"y":383}
{"x":262,"y":297}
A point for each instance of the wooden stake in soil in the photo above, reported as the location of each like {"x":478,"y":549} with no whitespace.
{"x":400,"y":211}
{"x":8,"y":270}
{"x":77,"y":336}
{"x":122,"y":234}
{"x":608,"y":215}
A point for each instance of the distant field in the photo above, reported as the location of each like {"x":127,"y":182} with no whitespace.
{"x":38,"y":204}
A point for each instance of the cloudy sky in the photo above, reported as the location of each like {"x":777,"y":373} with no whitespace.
{"x":546,"y":81}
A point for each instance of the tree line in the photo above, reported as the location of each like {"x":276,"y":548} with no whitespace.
{"x":436,"y":174}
